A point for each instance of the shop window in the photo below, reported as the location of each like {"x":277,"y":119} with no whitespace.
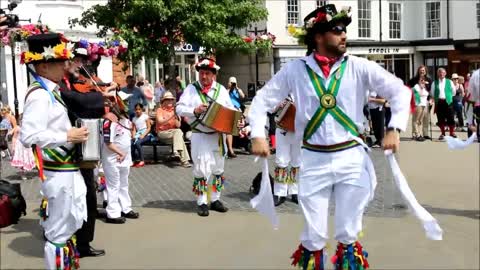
{"x":395,"y":14}
{"x":293,"y":12}
{"x":321,"y":3}
{"x":364,"y":15}
{"x":478,"y":15}
{"x":433,"y":19}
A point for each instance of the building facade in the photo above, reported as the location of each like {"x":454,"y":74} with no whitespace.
{"x":400,"y":35}
{"x":56,"y":15}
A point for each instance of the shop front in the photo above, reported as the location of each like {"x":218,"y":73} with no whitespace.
{"x":465,"y":58}
{"x":397,"y":60}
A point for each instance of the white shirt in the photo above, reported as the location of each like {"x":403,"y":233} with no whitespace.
{"x":360,"y":75}
{"x":45,"y":121}
{"x":441,"y":87}
{"x":423,"y":95}
{"x":120,"y":135}
{"x":474,"y":86}
{"x":372,"y":104}
{"x":140,"y":122}
{"x":190,"y":99}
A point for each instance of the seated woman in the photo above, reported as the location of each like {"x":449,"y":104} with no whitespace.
{"x":141,"y":134}
{"x":168,"y":128}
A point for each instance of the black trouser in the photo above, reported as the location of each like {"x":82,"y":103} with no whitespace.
{"x":86,"y":233}
{"x":445,"y":113}
{"x":388,"y":115}
{"x":378,"y":124}
{"x":459,"y":113}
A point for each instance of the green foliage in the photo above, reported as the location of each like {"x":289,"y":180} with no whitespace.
{"x":153,"y":27}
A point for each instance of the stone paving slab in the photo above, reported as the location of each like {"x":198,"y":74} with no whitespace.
{"x":167,"y":185}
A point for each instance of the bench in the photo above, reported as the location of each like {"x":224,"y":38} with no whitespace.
{"x":155,"y":143}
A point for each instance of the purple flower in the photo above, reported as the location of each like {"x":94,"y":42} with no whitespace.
{"x":102,"y":44}
{"x":83,"y":43}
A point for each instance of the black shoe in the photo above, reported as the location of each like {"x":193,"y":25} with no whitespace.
{"x":278,"y":200}
{"x":203,"y":210}
{"x":91,"y":252}
{"x":232,"y":155}
{"x":119,"y":220}
{"x":453,"y":135}
{"x":131,"y":214}
{"x":441,"y":137}
{"x":427,"y":138}
{"x":295,"y":198}
{"x":218,"y":206}
{"x":104,"y":204}
{"x":420,"y":139}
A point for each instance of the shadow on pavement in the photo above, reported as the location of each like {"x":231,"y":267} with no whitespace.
{"x":473,"y":214}
{"x":31,"y":245}
{"x":184,"y":206}
{"x":242,"y":196}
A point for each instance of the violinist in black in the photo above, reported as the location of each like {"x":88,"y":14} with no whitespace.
{"x":88,"y":104}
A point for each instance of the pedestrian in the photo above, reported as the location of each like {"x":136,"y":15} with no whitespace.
{"x":208,"y":146}
{"x":474,"y":100}
{"x":458,"y":101}
{"x":136,"y":95}
{"x":47,"y":128}
{"x":443,"y":91}
{"x":422,"y":73}
{"x":141,"y":135}
{"x":236,"y":95}
{"x":421,"y":100}
{"x":377,"y":115}
{"x":22,"y":156}
{"x":287,"y":162}
{"x":327,"y":120}
{"x":116,"y":162}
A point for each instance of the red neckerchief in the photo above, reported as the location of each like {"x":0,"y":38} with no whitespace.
{"x":206,"y":88}
{"x":67,"y":83}
{"x":325,"y":63}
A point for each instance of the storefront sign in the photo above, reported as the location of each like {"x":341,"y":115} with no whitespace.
{"x":380,"y":50}
{"x":187,"y":47}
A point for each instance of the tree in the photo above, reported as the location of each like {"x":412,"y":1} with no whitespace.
{"x":153,"y":28}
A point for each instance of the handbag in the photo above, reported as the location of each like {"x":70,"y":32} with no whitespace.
{"x":13,"y":203}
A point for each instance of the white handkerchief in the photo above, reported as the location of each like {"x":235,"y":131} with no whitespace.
{"x":263,"y":202}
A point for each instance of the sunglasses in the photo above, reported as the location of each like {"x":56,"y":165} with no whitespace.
{"x":339,"y":29}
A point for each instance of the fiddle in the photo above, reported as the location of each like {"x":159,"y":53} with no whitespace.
{"x":91,"y":83}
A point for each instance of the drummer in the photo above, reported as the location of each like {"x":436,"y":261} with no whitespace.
{"x":208,"y":146}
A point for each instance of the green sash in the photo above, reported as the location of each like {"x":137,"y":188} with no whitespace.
{"x":417,"y":96}
{"x":327,"y":98}
{"x":448,"y":91}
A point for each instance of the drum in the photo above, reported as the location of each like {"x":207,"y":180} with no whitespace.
{"x":221,"y":119}
{"x":285,"y":118}
{"x":91,"y":149}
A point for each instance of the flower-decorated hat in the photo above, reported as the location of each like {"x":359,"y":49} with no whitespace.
{"x":207,"y":63}
{"x":324,"y":18}
{"x":44,"y":48}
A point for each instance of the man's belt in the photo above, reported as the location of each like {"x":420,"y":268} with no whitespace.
{"x":60,"y":166}
{"x":330,"y":148}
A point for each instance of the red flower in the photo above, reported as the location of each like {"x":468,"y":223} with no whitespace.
{"x":248,"y":39}
{"x":164,"y":40}
{"x":22,"y":58}
{"x":321,"y":16}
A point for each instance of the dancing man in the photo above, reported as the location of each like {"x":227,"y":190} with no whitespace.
{"x":47,"y":129}
{"x":208,"y":146}
{"x":329,"y":87}
{"x":287,"y":160}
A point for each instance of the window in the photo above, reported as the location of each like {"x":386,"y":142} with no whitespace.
{"x":433,"y":19}
{"x":364,"y":15}
{"x":292,"y":12}
{"x":395,"y":12}
{"x":321,"y":3}
{"x":478,"y":15}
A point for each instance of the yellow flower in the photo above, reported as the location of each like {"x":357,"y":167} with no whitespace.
{"x":29,"y":57}
{"x":291,"y":29}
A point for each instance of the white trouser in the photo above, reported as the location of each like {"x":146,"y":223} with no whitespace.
{"x":208,"y":161}
{"x":66,"y":210}
{"x":118,"y":198}
{"x":345,"y":175}
{"x":288,"y":152}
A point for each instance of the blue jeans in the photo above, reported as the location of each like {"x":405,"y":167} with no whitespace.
{"x":137,"y":151}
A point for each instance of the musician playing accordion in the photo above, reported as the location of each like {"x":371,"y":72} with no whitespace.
{"x":208,"y":145}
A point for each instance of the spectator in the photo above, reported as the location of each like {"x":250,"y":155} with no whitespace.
{"x":22,"y":156}
{"x":443,"y":91}
{"x":141,"y":134}
{"x":422,"y":73}
{"x":158,"y":92}
{"x":377,"y":115}
{"x":421,"y":101}
{"x":236,"y":95}
{"x":9,"y":123}
{"x":181,"y":83}
{"x":467,"y":81}
{"x":136,"y":95}
{"x":147,"y":90}
{"x":458,"y":101}
{"x":168,"y":128}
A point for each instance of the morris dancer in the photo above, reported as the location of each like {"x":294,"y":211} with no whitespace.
{"x":208,"y":146}
{"x":329,"y":87}
{"x":47,"y":129}
{"x":287,"y":154}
